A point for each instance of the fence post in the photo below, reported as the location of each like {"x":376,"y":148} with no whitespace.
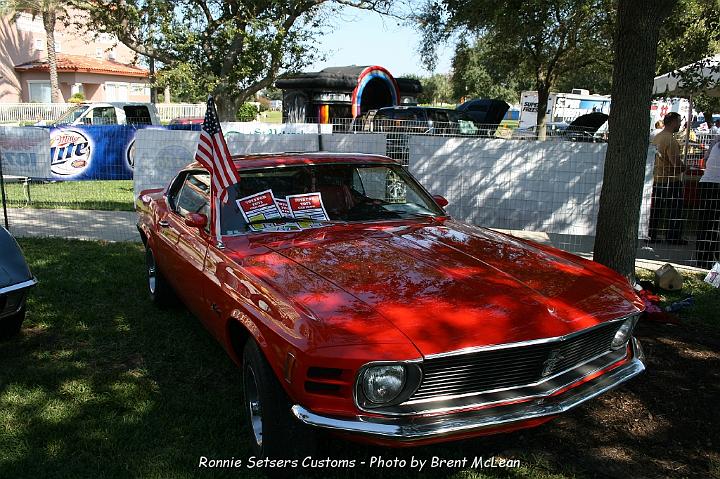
{"x":2,"y":192}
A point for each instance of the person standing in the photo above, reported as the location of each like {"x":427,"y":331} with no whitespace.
{"x":708,"y":238}
{"x":667,"y":195}
{"x":715,"y":129}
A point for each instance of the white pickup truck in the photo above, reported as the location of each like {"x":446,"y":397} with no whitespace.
{"x":110,"y":113}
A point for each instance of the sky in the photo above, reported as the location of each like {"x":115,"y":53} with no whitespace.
{"x":360,"y":37}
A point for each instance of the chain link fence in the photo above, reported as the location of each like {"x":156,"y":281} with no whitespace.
{"x":493,"y":176}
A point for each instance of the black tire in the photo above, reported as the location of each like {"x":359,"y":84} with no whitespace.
{"x":281,"y":435}
{"x":11,"y":325}
{"x":160,"y":291}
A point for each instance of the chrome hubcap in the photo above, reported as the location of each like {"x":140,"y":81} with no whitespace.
{"x":152,"y":277}
{"x":253,"y":405}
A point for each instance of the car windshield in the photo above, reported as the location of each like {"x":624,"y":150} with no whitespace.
{"x":71,"y":115}
{"x":293,"y":198}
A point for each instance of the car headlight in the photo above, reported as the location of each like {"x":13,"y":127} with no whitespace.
{"x":623,"y":333}
{"x":382,"y":384}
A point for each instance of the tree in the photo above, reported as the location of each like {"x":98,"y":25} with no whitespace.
{"x":477,"y":74}
{"x":50,"y":11}
{"x":543,"y":38}
{"x":234,"y":47}
{"x":436,"y":88}
{"x":637,"y":34}
{"x":692,"y":33}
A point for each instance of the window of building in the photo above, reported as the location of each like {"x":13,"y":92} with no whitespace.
{"x":98,"y":52}
{"x":58,"y":46}
{"x":116,"y":91}
{"x":39,"y":44}
{"x":39,"y":91}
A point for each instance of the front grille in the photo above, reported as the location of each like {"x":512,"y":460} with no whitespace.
{"x":511,"y":367}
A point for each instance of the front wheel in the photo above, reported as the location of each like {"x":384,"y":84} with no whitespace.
{"x":158,"y":288}
{"x":274,"y":431}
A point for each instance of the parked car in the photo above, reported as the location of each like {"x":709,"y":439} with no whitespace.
{"x":367,"y":311}
{"x":416,"y":120}
{"x":552,"y":129}
{"x":187,"y":120}
{"x":15,"y":282}
{"x":110,"y":113}
{"x":591,"y":128}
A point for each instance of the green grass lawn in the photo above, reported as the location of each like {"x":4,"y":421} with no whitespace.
{"x":100,"y":383}
{"x":270,"y":116}
{"x":113,"y":195}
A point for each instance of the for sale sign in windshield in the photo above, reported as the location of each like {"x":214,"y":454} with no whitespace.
{"x":309,"y":205}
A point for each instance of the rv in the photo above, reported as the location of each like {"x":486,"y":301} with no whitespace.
{"x":562,"y":107}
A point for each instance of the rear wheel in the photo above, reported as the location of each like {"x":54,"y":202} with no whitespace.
{"x":11,"y":325}
{"x":273,"y":430}
{"x":158,"y":288}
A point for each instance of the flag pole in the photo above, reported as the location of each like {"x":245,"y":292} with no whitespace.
{"x":218,"y":233}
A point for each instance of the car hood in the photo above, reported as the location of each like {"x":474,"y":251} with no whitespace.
{"x":590,"y":122}
{"x":448,"y":286}
{"x":490,"y":112}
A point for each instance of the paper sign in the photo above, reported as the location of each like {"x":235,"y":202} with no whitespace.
{"x":713,"y":277}
{"x":284,"y":207}
{"x":260,"y":206}
{"x":309,"y":206}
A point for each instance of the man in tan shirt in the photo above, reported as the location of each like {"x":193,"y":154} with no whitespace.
{"x":667,"y":197}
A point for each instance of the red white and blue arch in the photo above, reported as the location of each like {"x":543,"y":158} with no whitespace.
{"x":365,"y":76}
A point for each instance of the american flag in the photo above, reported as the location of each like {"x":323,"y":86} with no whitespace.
{"x":213,"y":153}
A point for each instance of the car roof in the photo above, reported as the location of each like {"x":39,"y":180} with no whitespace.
{"x":268,"y":160}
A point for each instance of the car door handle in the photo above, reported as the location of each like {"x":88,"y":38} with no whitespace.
{"x":163,"y":223}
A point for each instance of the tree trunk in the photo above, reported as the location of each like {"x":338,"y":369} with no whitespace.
{"x":227,"y":106}
{"x":636,"y":39}
{"x":153,"y":88}
{"x":49,"y":19}
{"x":543,"y":91}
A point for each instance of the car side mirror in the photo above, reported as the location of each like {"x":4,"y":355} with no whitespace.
{"x":441,"y":201}
{"x":196,"y":220}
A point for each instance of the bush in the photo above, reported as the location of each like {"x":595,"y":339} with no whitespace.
{"x":76,"y":98}
{"x":247,"y":112}
{"x":264,"y":104}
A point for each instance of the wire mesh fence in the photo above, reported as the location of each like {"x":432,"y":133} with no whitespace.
{"x":549,"y":188}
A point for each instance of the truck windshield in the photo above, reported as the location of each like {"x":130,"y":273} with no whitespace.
{"x":71,"y":115}
{"x":298,"y":197}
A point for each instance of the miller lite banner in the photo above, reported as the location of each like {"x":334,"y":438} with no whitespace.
{"x":92,"y":152}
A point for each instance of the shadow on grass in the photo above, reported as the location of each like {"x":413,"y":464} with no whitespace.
{"x":102,"y":384}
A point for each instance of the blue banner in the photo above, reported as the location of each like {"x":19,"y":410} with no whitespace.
{"x":96,"y":152}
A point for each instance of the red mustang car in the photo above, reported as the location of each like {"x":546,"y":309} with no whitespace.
{"x":354,"y":304}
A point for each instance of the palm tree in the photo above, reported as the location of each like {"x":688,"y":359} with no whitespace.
{"x":49,"y":10}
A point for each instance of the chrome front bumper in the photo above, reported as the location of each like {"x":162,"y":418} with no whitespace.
{"x":413,"y":428}
{"x":12,"y":298}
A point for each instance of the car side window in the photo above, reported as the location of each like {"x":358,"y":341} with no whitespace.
{"x":193,"y":195}
{"x":137,"y":115}
{"x":103,"y":115}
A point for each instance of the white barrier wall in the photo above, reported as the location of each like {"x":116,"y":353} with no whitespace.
{"x":159,"y":155}
{"x":553,"y":187}
{"x":374,"y":143}
{"x":25,"y":151}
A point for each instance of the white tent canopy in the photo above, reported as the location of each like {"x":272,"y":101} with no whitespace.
{"x":700,"y":77}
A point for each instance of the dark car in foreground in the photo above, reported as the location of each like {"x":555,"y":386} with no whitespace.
{"x":15,"y":281}
{"x":362,"y":309}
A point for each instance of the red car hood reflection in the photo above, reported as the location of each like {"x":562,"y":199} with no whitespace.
{"x":448,"y":286}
